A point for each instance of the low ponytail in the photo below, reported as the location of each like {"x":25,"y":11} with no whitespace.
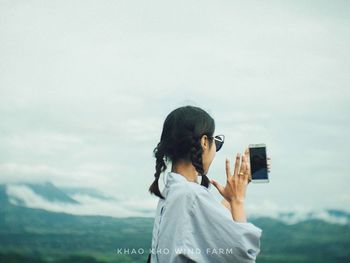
{"x":196,"y":158}
{"x":160,"y":167}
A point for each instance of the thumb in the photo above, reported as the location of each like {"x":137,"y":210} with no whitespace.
{"x":217,"y":185}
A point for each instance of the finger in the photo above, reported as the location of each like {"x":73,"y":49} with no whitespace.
{"x":217,"y":186}
{"x":245,"y":167}
{"x":246,"y":152}
{"x":244,"y":164}
{"x":237,"y":163}
{"x":242,"y":171}
{"x":228,"y":168}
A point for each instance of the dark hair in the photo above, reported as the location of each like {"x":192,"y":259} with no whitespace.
{"x":180,"y":140}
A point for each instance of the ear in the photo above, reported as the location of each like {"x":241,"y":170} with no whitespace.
{"x":204,"y":142}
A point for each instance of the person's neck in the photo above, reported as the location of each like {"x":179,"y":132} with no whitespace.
{"x":187,"y":170}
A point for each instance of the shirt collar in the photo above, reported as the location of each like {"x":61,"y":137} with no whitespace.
{"x":173,"y":177}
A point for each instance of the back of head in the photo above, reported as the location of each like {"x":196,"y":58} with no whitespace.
{"x":180,"y":140}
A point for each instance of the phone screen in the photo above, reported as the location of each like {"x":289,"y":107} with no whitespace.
{"x":258,"y":163}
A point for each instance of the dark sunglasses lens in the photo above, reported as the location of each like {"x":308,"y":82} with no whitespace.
{"x":219,"y":144}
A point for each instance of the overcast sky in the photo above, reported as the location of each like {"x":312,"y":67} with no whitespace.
{"x":85,"y":87}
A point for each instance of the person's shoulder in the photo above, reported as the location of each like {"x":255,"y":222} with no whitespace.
{"x":191,"y":191}
{"x":197,"y":190}
{"x":201,"y":196}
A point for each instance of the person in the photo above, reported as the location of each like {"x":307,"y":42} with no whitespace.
{"x":190,"y":223}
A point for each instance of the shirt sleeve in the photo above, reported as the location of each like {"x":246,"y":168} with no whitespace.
{"x":213,"y":232}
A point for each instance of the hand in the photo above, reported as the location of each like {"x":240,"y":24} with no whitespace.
{"x":236,"y":183}
{"x":268,"y":164}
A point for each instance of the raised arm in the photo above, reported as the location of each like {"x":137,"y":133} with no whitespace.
{"x":236,"y":209}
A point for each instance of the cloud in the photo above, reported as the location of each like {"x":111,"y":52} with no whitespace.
{"x":84,"y":96}
{"x":105,"y":177}
{"x":88,"y":205}
{"x":42,"y":142}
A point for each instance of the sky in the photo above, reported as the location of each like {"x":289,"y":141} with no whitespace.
{"x":85,"y":87}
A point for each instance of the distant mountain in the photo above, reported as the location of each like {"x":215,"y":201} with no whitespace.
{"x":36,"y":235}
{"x":339,"y":214}
{"x":329,"y":215}
{"x":50,"y":192}
{"x":3,"y":195}
{"x":73,"y":200}
{"x":71,"y":191}
{"x":75,"y":195}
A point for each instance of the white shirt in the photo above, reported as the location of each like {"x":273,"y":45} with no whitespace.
{"x":192,"y":226}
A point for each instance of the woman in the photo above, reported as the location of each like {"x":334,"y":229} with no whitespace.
{"x":190,"y":224}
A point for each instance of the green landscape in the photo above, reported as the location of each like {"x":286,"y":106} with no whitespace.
{"x":35,"y":235}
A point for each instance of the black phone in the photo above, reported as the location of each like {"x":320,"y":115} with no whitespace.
{"x":258,"y":163}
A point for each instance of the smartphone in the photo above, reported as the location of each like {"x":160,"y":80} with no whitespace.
{"x":258,"y":163}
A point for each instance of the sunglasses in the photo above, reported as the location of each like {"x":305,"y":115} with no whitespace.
{"x":219,"y":141}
